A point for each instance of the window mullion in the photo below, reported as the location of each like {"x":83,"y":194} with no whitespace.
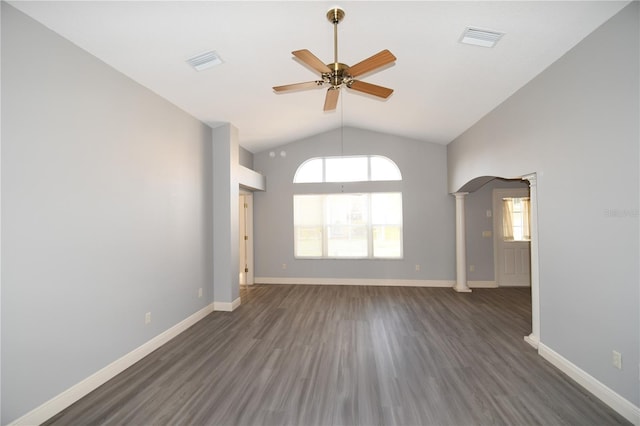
{"x":369,"y":228}
{"x":325,"y":228}
{"x":324,"y":170}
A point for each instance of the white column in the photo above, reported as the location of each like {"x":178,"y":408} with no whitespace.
{"x":461,"y":246}
{"x":534,"y":338}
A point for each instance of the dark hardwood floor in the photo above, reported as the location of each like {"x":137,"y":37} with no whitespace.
{"x":341,"y":355}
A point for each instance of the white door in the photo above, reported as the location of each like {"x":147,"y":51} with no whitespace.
{"x":512,"y":239}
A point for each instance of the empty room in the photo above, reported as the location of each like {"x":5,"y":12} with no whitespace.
{"x":315,"y":213}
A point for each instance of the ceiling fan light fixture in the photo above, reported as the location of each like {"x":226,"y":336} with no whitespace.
{"x":205,"y":60}
{"x":478,"y":37}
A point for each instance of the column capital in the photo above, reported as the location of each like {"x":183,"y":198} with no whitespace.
{"x":532,"y":178}
{"x":460,"y":194}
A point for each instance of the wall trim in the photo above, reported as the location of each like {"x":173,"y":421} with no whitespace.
{"x":388,"y":282}
{"x":226,"y":306}
{"x":482,"y":284}
{"x":614,"y":400}
{"x":63,"y":400}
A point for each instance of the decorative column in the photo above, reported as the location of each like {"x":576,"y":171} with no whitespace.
{"x":534,"y":338}
{"x":461,"y":246}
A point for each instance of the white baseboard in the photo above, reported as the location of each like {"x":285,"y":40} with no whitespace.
{"x":226,"y":306}
{"x":620,"y":404}
{"x":372,"y":281}
{"x":482,"y":284}
{"x":355,"y":281}
{"x":533,"y":340}
{"x":74,"y":393}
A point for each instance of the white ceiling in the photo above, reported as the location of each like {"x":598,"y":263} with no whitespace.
{"x":442,"y":87}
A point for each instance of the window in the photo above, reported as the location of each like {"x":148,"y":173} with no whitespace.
{"x":515,"y":219}
{"x":361,"y":168}
{"x":363,"y":225}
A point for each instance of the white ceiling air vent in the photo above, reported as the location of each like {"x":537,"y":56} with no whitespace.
{"x":205,"y":60}
{"x":478,"y":37}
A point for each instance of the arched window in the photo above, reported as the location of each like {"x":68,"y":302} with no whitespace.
{"x":362,"y":225}
{"x":361,"y":168}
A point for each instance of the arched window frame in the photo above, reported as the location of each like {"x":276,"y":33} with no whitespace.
{"x":315,"y":230}
{"x":367,"y":176}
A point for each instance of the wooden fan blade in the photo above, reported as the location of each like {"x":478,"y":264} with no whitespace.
{"x":371,"y":89}
{"x":298,"y":86}
{"x":312,"y":60}
{"x":331,"y":101}
{"x":376,"y":61}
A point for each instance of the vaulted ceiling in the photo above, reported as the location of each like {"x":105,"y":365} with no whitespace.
{"x":442,"y":86}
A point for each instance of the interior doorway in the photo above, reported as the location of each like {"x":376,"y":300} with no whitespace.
{"x":473,"y":185}
{"x":512,"y":236}
{"x":245,"y":267}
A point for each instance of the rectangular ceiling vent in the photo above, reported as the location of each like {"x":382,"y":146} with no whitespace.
{"x":205,"y":60}
{"x":478,"y":37}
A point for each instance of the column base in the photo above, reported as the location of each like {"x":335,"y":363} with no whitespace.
{"x":533,"y":340}
{"x":462,"y":289}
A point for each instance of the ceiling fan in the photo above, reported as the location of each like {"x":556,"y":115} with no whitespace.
{"x":336,"y":74}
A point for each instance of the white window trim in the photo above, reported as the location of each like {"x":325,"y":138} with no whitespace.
{"x":321,"y":190}
{"x":370,"y":226}
{"x":369,"y":168}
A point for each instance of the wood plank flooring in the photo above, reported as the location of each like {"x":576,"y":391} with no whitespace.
{"x":341,"y":355}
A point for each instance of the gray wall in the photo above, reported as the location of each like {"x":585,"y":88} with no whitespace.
{"x":479,"y":248}
{"x":428,"y":210}
{"x":226,"y":214}
{"x":245,"y":158}
{"x":106,"y":214}
{"x":576,"y":125}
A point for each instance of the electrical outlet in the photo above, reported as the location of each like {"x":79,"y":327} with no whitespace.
{"x":417,"y":267}
{"x":617,"y":360}
{"x":147,"y":318}
{"x":284,"y":266}
{"x":200,"y":292}
{"x":472,"y":268}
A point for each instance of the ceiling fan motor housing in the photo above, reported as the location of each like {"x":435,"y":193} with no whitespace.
{"x":339,"y":75}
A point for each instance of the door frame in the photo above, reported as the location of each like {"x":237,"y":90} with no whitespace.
{"x":246,"y":245}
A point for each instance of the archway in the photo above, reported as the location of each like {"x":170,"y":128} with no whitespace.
{"x":461,"y":279}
